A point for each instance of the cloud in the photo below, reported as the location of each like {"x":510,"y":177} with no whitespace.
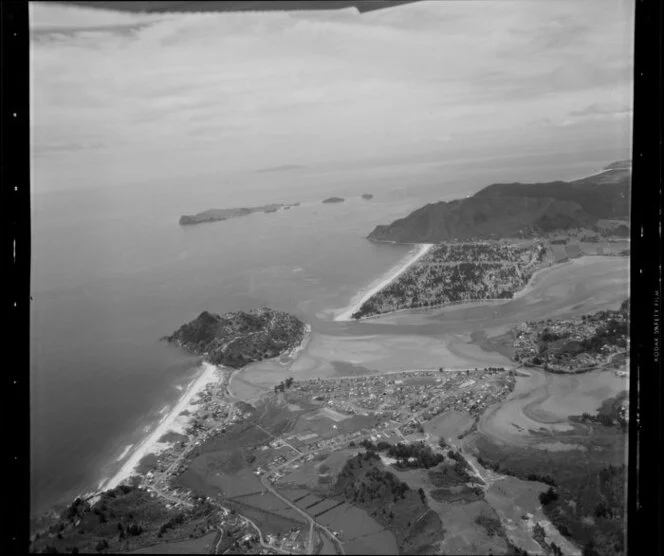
{"x":244,"y":91}
{"x":596,"y":112}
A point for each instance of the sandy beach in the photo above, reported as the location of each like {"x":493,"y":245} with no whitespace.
{"x":358,"y":300}
{"x":171,"y":422}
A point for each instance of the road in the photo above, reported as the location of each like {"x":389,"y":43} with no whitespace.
{"x":403,"y":371}
{"x":312,"y":522}
{"x":170,"y":498}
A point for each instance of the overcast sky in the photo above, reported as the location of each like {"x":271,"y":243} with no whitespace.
{"x":135,"y":96}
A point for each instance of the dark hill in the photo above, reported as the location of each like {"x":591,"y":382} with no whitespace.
{"x":237,"y":339}
{"x":482,"y":217}
{"x":507,"y":209}
{"x":604,"y":195}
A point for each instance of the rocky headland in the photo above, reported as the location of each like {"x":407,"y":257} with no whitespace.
{"x":239,"y":338}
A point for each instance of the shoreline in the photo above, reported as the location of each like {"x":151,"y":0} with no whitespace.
{"x":384,"y":281}
{"x":171,"y":422}
{"x":525,"y":290}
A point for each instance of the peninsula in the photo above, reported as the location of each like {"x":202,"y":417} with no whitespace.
{"x":239,"y":338}
{"x":216,"y":215}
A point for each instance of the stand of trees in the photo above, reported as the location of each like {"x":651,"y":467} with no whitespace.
{"x":284,"y":385}
{"x":409,"y":456}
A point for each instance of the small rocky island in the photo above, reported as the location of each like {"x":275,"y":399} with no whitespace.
{"x":239,"y":338}
{"x":333,"y":200}
{"x":216,"y":215}
{"x":367,"y":196}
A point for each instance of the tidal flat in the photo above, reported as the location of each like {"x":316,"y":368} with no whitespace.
{"x":452,"y":337}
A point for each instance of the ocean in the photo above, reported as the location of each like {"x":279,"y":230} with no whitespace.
{"x":113,"y":272}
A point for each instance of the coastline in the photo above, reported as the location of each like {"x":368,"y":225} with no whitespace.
{"x":359,"y":300}
{"x":171,"y":422}
{"x":525,"y":290}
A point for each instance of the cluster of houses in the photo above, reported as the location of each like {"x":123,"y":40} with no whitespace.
{"x":562,"y":345}
{"x":412,"y":398}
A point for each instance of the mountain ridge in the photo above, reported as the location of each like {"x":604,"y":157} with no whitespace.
{"x":503,"y":210}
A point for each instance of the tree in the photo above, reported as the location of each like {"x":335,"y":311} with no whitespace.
{"x":548,"y":496}
{"x":423,"y":497}
{"x":101,"y":545}
{"x":589,"y":549}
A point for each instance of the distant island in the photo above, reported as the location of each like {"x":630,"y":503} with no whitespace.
{"x":239,"y":338}
{"x":333,"y":200}
{"x":367,"y":196}
{"x":216,"y":215}
{"x":518,"y":210}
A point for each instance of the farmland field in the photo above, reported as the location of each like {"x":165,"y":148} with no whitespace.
{"x":270,"y":503}
{"x":219,"y":483}
{"x":359,"y":533}
{"x":512,"y":499}
{"x":462,"y":534}
{"x":268,"y":521}
{"x":194,"y":546}
{"x":449,"y":424}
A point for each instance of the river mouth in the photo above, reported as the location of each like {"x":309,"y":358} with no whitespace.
{"x":457,"y":337}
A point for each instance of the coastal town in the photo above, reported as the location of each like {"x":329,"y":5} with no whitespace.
{"x":269,"y":487}
{"x":338,"y":414}
{"x":457,"y":272}
{"x":346,"y":413}
{"x":460,"y":272}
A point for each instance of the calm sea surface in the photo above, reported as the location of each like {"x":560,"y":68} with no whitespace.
{"x":112,"y":272}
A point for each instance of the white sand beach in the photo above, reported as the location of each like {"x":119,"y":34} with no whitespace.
{"x":358,"y":300}
{"x":172,"y":422}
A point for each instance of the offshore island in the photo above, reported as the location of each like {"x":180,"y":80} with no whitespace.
{"x":481,"y":409}
{"x":217,"y":215}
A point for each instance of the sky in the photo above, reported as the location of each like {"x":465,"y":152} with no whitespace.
{"x":117,"y":98}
